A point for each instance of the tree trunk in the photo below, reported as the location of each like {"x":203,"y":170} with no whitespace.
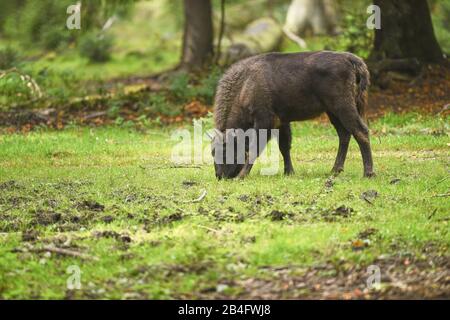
{"x":317,"y":16}
{"x":198,"y":34}
{"x":406,"y":32}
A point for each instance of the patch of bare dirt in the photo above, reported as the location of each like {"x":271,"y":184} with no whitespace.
{"x":401,"y":278}
{"x":427,"y":93}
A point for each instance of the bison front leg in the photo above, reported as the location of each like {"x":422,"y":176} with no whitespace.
{"x":285,"y":147}
{"x":257,"y":142}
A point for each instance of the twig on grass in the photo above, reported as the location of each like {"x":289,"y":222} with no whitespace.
{"x":199,"y":199}
{"x":434,"y":185}
{"x":207,"y":228}
{"x":442,"y":195}
{"x":175,"y":166}
{"x":432,"y":214}
{"x":61,"y":251}
{"x":95,"y":115}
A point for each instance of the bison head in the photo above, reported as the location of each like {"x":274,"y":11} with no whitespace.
{"x":228,"y":163}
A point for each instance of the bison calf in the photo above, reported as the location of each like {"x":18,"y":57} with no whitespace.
{"x":271,"y":90}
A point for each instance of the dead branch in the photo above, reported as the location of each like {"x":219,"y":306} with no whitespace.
{"x":95,"y":115}
{"x":295,"y":38}
{"x":207,"y":228}
{"x":199,"y":199}
{"x":175,"y":166}
{"x":62,"y":251}
{"x":443,"y":195}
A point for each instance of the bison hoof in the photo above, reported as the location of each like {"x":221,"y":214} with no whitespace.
{"x":289,"y":172}
{"x":337,"y":171}
{"x":369,"y":174}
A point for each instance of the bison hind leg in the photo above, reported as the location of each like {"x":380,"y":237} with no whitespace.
{"x":344,"y":141}
{"x":355,"y":125}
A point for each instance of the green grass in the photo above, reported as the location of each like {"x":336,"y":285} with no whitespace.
{"x":53,"y":184}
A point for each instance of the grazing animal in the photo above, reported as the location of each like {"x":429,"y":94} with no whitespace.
{"x":271,"y":90}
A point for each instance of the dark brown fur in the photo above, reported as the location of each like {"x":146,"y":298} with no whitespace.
{"x":271,"y":90}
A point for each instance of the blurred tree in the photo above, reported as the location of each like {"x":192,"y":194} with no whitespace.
{"x":317,"y":16}
{"x":7,"y":8}
{"x":406,"y":32}
{"x":221,"y":31}
{"x":43,"y":22}
{"x":198,"y":34}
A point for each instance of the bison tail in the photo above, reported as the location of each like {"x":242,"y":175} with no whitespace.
{"x":362,"y":83}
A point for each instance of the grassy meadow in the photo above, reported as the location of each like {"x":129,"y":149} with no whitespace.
{"x":92,"y":207}
{"x":109,"y":201}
